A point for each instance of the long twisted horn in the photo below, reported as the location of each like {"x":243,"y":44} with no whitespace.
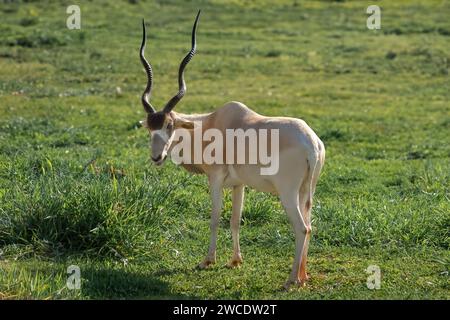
{"x":182,"y":85}
{"x":148,"y":69}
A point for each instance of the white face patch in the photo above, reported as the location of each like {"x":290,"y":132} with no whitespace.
{"x":161,"y":133}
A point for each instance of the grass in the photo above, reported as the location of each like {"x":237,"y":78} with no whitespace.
{"x":77,"y":187}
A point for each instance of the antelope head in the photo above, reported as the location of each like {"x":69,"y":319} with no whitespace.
{"x":162,"y":124}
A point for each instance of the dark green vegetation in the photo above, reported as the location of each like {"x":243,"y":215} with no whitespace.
{"x":76,"y":185}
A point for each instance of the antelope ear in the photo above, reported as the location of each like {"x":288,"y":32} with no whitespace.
{"x":143,"y":123}
{"x":183,"y":123}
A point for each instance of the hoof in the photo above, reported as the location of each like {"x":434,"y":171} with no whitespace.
{"x":298,"y":283}
{"x":205,"y":264}
{"x":234,"y":263}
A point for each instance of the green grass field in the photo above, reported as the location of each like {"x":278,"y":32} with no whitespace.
{"x":77,"y":186}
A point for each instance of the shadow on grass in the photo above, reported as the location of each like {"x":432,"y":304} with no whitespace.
{"x":122,"y":284}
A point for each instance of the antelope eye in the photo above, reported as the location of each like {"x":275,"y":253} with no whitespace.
{"x":170,"y":126}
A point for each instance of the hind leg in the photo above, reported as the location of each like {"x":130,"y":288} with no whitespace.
{"x":290,"y":203}
{"x":305,"y":199}
{"x":305,"y":206}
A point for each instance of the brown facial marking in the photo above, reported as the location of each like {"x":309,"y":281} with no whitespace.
{"x":155,"y":121}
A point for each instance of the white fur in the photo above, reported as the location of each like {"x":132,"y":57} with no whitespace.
{"x":162,"y":134}
{"x":301,"y":157}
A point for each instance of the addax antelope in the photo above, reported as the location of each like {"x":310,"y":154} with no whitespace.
{"x":301,"y":156}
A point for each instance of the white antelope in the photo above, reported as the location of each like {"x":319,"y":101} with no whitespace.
{"x":301,"y":158}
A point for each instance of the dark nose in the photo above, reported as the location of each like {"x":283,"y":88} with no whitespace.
{"x":157,"y":158}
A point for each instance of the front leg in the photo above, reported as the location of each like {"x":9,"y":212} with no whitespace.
{"x":215,"y":189}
